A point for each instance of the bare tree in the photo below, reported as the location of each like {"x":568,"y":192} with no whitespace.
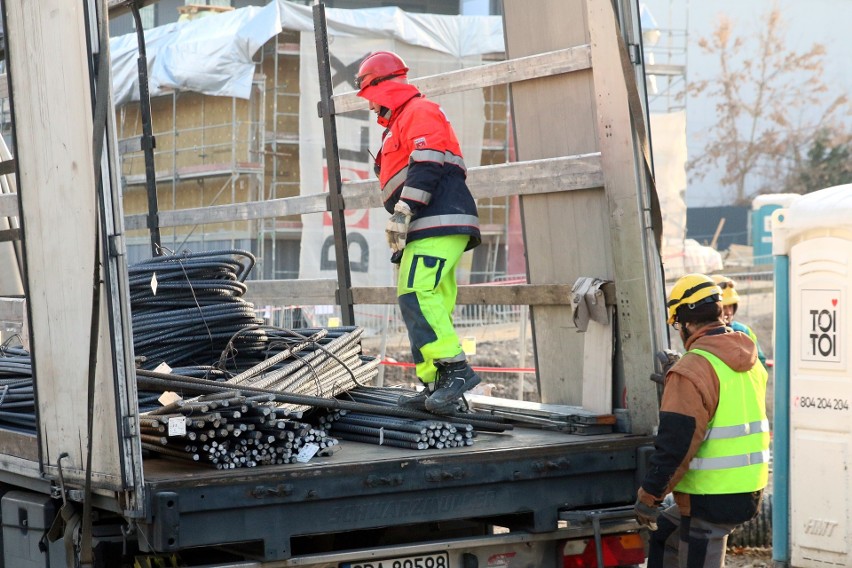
{"x":761,"y":97}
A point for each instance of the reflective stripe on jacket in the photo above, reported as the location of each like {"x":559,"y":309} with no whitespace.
{"x":734,"y":456}
{"x":421,"y":163}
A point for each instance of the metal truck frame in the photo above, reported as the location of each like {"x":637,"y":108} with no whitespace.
{"x":364,"y":504}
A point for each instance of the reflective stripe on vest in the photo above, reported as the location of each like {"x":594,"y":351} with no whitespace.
{"x":437,"y":221}
{"x":736,"y":431}
{"x":734,"y":456}
{"x":727,"y":462}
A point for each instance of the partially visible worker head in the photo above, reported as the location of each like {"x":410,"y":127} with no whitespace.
{"x":695,"y":301}
{"x":383,"y":80}
{"x":377,"y":67}
{"x":730,"y":298}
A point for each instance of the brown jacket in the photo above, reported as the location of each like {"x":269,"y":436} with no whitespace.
{"x":689,"y":402}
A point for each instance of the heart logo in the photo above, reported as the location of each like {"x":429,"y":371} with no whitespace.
{"x":834,"y":302}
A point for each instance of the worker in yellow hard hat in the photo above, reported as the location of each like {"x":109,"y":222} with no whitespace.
{"x":712,"y":446}
{"x":730,"y":303}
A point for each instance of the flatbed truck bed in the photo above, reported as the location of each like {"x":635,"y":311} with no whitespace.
{"x":507,"y":479}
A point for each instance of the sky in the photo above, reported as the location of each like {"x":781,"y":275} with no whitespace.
{"x":474,"y":7}
{"x":807,"y":22}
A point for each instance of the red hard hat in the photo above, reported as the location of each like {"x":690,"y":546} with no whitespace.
{"x":379,"y":66}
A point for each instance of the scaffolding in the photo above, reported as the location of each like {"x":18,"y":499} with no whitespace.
{"x":223,"y":150}
{"x":278,"y":238}
{"x":209,"y":151}
{"x":494,"y":212}
{"x":666,"y":58}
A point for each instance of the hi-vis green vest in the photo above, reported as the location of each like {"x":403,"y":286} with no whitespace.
{"x":734,"y":456}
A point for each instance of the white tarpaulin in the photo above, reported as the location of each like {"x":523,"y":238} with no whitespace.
{"x":214,"y":55}
{"x":357,"y":132}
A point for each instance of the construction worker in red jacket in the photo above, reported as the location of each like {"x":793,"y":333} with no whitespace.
{"x":712,"y":447}
{"x":433,"y":221}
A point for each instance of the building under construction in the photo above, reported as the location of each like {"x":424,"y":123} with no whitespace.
{"x":226,"y":150}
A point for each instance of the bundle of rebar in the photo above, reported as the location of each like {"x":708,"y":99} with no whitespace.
{"x":228,"y":431}
{"x":398,"y":432}
{"x":328,"y":362}
{"x":188,"y":312}
{"x":456,"y":428}
{"x":17,"y":401}
{"x":187,"y":307}
{"x":198,"y":386}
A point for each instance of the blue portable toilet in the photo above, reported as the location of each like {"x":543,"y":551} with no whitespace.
{"x":762,"y":207}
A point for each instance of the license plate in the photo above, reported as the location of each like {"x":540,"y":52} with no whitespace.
{"x":434,"y":560}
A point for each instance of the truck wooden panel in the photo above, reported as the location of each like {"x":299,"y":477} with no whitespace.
{"x":47,"y":46}
{"x":601,"y":232}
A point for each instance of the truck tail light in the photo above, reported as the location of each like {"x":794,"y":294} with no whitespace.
{"x":618,"y":550}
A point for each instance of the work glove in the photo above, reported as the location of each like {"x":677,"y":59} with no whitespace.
{"x":647,"y":509}
{"x":396,"y":230}
{"x":667,"y":359}
{"x":647,"y":515}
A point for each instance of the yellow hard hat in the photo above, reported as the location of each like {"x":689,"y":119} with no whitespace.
{"x":692,"y":290}
{"x":729,"y":294}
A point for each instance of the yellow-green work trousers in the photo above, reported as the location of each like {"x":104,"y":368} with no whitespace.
{"x":426,"y":289}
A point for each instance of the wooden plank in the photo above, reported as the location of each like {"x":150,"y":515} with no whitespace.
{"x":9,"y":205}
{"x":535,"y":177}
{"x":47,"y":46}
{"x":317,"y":292}
{"x":512,"y":71}
{"x":13,"y":316}
{"x":597,"y":367}
{"x":566,"y":233}
{"x":552,"y":411}
{"x":7,"y":167}
{"x":19,"y":445}
{"x":13,"y":310}
{"x":10,"y":235}
{"x":283,"y":207}
{"x":322,"y":292}
{"x":497,"y":295}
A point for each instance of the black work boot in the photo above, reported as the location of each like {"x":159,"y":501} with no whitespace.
{"x":454,"y":379}
{"x":415,"y":401}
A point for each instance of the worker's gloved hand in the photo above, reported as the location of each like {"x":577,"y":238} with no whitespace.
{"x":647,"y":515}
{"x":396,"y":230}
{"x":667,"y":359}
